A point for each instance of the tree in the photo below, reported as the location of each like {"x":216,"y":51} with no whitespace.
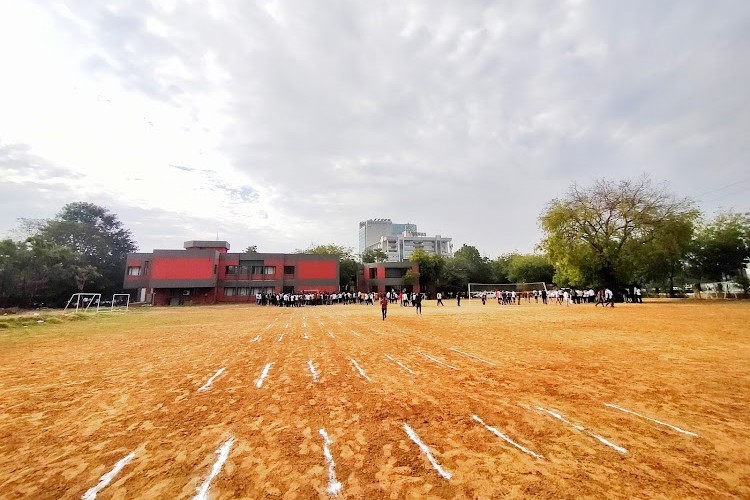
{"x":99,"y":240}
{"x":410,"y":277}
{"x":35,"y":271}
{"x":499,"y":268}
{"x":722,"y":247}
{"x":594,"y":236}
{"x":329,"y":249}
{"x":663,"y":259}
{"x":530,"y":268}
{"x":251,"y":249}
{"x":455,"y":275}
{"x":477,"y":268}
{"x":371,"y":255}
{"x":430,"y":269}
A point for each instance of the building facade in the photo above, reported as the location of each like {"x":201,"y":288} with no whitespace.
{"x":206,"y":273}
{"x":399,"y":241}
{"x":382,"y":277}
{"x":400,"y":247}
{"x":371,"y":230}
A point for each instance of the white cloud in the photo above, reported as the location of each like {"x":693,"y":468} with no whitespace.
{"x":294,"y":120}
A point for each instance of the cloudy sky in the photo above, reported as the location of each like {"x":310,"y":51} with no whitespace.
{"x":281,"y":123}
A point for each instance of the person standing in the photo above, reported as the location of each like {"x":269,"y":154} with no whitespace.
{"x":418,"y":302}
{"x":440,"y":299}
{"x":609,"y":298}
{"x":384,"y":306}
{"x":458,"y":299}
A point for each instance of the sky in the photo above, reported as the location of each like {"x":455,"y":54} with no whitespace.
{"x":283,"y":124}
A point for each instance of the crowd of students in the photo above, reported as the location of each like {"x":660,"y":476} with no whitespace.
{"x":565,"y":296}
{"x":317,"y":299}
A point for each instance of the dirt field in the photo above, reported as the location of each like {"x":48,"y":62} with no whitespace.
{"x":509,"y":400}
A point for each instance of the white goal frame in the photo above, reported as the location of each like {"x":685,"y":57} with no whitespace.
{"x":81,"y":303}
{"x":488,"y":287}
{"x":120,"y":308}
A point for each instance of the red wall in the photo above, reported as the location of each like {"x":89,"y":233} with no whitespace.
{"x":315,"y":270}
{"x":182,"y":268}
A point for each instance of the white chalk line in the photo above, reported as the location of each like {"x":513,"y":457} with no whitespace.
{"x":304,"y":335}
{"x":437,"y":361}
{"x":108,"y":477}
{"x":472,"y":356}
{"x":281,"y":337}
{"x":399,"y":363}
{"x":312,"y":370}
{"x":506,"y":438}
{"x":223,"y":454}
{"x":269,"y":325}
{"x":601,"y":439}
{"x":263,"y":375}
{"x":331,"y":335}
{"x":361,"y":372}
{"x":356,"y":334}
{"x":304,"y":325}
{"x":210,"y":381}
{"x":413,"y":435}
{"x":334,"y":486}
{"x":255,"y":339}
{"x":653,"y":420}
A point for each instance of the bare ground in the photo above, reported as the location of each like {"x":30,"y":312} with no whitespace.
{"x":76,"y":398}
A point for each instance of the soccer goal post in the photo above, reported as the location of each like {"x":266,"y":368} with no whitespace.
{"x":120,"y":302}
{"x":476,"y":289}
{"x":83,"y":302}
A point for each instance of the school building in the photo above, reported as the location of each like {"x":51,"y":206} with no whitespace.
{"x":206,"y":273}
{"x":383,"y":277}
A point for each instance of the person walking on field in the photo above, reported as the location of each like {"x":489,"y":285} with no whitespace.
{"x":384,"y":306}
{"x":458,"y":299}
{"x":440,"y":299}
{"x":418,"y":302}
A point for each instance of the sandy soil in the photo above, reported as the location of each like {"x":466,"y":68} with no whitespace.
{"x":76,"y":398}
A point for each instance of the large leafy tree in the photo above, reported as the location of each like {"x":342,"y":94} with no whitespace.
{"x":430,"y":269}
{"x":499,"y":268}
{"x":98,"y":238}
{"x":664,"y":258}
{"x":36,"y":271}
{"x":371,"y":255}
{"x":455,"y":275}
{"x":530,"y":268}
{"x":596,"y":235}
{"x":478,"y":269}
{"x":721,"y":247}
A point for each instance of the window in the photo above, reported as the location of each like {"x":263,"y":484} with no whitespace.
{"x":269,"y":270}
{"x":288,"y":269}
{"x":373,"y":273}
{"x":231,"y":270}
{"x":391,"y":272}
{"x":134,"y":270}
{"x":230,"y":292}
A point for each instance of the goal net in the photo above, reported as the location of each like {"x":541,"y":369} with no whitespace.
{"x":477,"y":289}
